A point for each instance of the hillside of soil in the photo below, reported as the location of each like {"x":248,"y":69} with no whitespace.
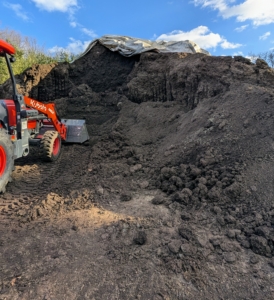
{"x":173,"y":196}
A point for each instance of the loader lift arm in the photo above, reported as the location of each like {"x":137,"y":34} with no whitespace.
{"x":48,"y":109}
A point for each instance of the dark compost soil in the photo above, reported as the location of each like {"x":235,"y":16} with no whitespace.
{"x":173,"y":196}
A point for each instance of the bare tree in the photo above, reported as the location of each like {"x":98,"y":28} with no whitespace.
{"x":267,"y":56}
{"x":28,"y":53}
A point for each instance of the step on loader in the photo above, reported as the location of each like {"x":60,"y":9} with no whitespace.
{"x":24,"y":121}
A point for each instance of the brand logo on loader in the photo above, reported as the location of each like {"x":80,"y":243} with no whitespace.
{"x":37,"y":105}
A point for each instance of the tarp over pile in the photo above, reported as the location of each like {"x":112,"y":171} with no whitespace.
{"x":129,"y":46}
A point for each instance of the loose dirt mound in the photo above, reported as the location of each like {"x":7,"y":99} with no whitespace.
{"x":171,"y":199}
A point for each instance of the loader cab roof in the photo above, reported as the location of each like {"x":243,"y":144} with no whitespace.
{"x":6,"y":48}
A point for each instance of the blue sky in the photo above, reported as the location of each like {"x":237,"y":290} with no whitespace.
{"x":222,"y":27}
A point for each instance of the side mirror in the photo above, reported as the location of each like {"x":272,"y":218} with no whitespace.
{"x":12,"y":59}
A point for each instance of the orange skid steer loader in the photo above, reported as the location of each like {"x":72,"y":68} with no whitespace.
{"x":24,"y":121}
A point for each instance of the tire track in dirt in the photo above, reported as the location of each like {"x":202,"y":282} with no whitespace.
{"x":35,"y":181}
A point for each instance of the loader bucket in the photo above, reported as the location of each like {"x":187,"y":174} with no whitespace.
{"x":76,"y":131}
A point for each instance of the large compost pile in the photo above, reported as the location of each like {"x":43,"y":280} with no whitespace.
{"x":173,"y":196}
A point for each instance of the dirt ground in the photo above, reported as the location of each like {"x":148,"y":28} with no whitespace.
{"x":173,"y":196}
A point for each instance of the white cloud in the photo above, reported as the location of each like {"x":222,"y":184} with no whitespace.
{"x":201,"y":36}
{"x":56,"y":5}
{"x":265,"y":36}
{"x":17,"y":8}
{"x":215,"y":4}
{"x":227,"y":45}
{"x":66,"y":6}
{"x":259,"y":12}
{"x":89,"y":32}
{"x":73,"y":24}
{"x":75,"y":47}
{"x":241,"y":28}
{"x":239,"y":53}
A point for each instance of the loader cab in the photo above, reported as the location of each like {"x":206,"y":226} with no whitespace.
{"x":7,"y":107}
{"x":8,"y":52}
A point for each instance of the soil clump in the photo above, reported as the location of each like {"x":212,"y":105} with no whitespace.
{"x":173,"y":196}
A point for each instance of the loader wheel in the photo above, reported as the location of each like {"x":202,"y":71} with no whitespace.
{"x":50,"y":146}
{"x":6,"y":160}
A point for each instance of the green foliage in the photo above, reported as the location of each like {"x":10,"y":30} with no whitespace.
{"x":64,"y":56}
{"x":3,"y":71}
{"x":27,"y":54}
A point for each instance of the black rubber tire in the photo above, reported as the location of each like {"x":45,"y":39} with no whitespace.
{"x":6,"y":160}
{"x":50,"y":146}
